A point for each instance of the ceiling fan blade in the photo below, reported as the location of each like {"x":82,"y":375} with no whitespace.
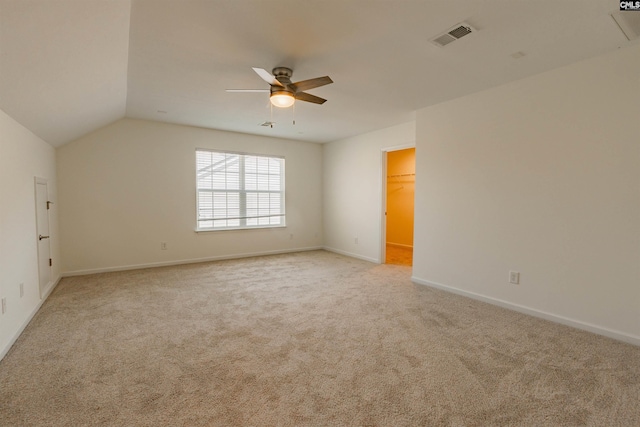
{"x":310,"y":98}
{"x":267,"y":77}
{"x":247,"y":90}
{"x":311,"y":83}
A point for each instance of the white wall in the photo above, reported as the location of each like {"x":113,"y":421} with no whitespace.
{"x":353,"y":180}
{"x":131,"y":185}
{"x":541,"y":176}
{"x":23,"y":156}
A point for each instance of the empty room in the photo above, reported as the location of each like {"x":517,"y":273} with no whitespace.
{"x":319,"y":213}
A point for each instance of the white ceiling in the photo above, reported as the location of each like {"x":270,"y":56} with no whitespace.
{"x":68,"y":67}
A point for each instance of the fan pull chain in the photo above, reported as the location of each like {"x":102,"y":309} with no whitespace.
{"x":294,"y":113}
{"x":271,"y":119}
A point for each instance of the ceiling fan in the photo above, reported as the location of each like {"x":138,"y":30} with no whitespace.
{"x":283,"y":92}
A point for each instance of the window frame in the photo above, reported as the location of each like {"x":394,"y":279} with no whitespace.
{"x":242,"y":192}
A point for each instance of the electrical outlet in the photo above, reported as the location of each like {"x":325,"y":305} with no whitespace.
{"x":21,"y":290}
{"x":4,"y":305}
{"x":291,"y":236}
{"x":163,"y":246}
{"x":355,"y":240}
{"x":514,"y":277}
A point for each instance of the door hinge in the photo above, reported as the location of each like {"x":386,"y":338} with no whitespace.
{"x":50,"y":263}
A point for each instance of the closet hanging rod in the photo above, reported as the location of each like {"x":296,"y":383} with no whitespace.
{"x":401,"y":174}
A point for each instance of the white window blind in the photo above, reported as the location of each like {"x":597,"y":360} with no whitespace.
{"x":239,"y":190}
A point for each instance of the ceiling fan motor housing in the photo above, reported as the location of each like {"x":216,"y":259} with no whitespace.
{"x":283,"y":75}
{"x":280,"y":90}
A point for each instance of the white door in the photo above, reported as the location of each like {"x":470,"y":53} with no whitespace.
{"x":42,"y":228}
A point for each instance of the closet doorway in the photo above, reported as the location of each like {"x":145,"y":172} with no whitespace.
{"x":401,"y":178}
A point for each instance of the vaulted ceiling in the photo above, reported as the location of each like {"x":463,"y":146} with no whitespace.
{"x":68,"y":67}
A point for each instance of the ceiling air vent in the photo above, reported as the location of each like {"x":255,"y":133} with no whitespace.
{"x":452,"y":34}
{"x":629,"y":23}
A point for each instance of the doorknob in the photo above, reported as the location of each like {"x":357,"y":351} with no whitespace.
{"x":40,"y":237}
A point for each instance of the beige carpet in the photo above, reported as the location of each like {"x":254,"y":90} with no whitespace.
{"x":308,"y":339}
{"x":399,"y":255}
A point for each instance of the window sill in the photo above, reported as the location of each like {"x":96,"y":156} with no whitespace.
{"x":214,"y":230}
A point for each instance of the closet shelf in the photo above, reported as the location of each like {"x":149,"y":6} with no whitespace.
{"x":400,"y":175}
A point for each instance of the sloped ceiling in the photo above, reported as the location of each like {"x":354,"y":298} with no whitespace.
{"x":63,"y":65}
{"x":68,"y":67}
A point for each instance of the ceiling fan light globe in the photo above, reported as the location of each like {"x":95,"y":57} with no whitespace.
{"x":282,"y":99}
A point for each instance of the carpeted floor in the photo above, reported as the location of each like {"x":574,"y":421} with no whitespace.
{"x":399,"y":255}
{"x":306,"y":339}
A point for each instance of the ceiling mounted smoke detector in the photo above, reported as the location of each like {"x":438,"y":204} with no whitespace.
{"x":452,"y":34}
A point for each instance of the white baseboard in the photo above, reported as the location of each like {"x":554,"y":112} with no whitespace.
{"x":350,"y":254}
{"x":16,"y":335}
{"x":185,"y":261}
{"x":50,"y":287}
{"x":617,"y":335}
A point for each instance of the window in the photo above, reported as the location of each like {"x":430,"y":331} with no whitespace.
{"x":239,"y":190}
